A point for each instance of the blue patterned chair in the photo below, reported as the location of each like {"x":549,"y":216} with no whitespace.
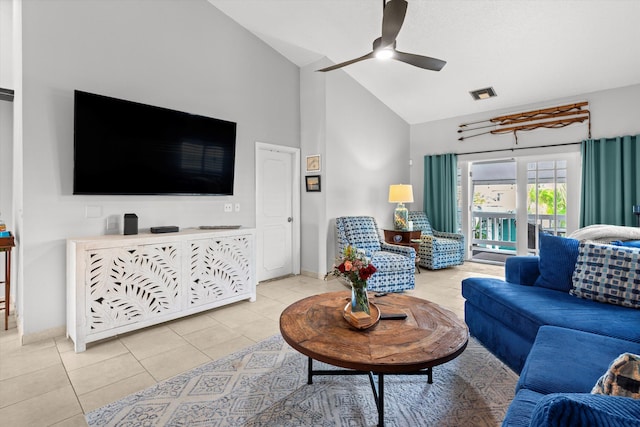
{"x":395,"y":264}
{"x":437,"y":248}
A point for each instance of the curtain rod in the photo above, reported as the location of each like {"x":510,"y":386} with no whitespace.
{"x":519,"y":148}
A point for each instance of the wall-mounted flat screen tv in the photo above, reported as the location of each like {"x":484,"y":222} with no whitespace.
{"x":124,"y":147}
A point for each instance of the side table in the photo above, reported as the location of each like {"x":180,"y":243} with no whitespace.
{"x":405,"y":238}
{"x":6,"y":243}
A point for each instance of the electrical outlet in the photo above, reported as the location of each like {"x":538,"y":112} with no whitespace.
{"x":237,"y":207}
{"x":228,"y":207}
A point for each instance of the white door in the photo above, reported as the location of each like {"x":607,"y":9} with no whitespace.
{"x":277,"y":207}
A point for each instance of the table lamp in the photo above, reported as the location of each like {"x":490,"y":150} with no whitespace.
{"x":400,"y":194}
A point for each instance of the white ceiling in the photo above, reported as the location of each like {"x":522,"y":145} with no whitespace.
{"x":529,"y":51}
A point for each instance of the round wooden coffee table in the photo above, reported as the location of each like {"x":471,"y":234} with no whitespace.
{"x":429,"y":336}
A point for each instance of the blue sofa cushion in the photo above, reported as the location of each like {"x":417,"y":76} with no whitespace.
{"x":525,"y":308}
{"x":579,"y":410}
{"x":557,"y":261}
{"x":553,"y":366}
{"x":622,"y":378}
{"x":609,"y":274}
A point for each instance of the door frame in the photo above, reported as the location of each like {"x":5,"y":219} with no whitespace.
{"x":262,"y":147}
{"x":574,"y":165}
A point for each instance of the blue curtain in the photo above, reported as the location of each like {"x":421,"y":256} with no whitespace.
{"x":610,"y":180}
{"x":440,"y":191}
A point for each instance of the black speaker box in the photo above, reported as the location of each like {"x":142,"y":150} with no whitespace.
{"x":130,"y":223}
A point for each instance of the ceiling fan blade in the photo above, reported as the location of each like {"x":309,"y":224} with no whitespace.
{"x":343,"y":64}
{"x":420,"y":61}
{"x":392,"y":19}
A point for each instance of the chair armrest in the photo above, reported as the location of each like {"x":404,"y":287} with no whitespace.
{"x":523,"y":270}
{"x":427,"y":239}
{"x":446,"y":235}
{"x":407,"y":251}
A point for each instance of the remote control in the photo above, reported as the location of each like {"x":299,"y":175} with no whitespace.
{"x":165,"y":229}
{"x":393,"y":316}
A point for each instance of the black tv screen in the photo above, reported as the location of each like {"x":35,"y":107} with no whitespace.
{"x":124,"y":147}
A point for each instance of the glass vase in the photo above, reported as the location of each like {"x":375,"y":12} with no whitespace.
{"x":359,"y":298}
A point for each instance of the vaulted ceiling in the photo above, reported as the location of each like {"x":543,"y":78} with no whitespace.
{"x":529,"y":51}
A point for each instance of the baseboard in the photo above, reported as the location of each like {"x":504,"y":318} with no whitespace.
{"x":312,"y":274}
{"x":43,"y":335}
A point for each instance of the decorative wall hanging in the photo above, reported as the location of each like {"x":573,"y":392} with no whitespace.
{"x":550,"y":118}
{"x":313,"y":182}
{"x":313,"y":163}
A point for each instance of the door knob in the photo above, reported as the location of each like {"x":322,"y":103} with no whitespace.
{"x":289,"y":219}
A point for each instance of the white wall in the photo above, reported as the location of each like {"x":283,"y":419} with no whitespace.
{"x":183,"y":55}
{"x":6,"y":112}
{"x":614,"y":112}
{"x":364,"y":148}
{"x":313,"y":211}
{"x":367,"y":147}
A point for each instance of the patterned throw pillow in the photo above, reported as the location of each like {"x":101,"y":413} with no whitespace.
{"x":622,"y":378}
{"x":609,"y":274}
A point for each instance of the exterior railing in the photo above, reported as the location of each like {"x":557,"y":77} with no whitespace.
{"x":496,"y":231}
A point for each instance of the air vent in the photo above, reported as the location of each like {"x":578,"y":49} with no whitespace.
{"x":485,"y":93}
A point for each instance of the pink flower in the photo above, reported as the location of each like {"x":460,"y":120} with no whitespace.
{"x":354,"y":266}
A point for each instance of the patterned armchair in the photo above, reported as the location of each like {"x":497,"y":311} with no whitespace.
{"x":437,"y":248}
{"x":395,"y":264}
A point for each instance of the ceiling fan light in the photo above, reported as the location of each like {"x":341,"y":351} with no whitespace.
{"x":384,"y":53}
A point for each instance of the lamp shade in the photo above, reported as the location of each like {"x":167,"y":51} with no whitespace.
{"x":400,"y":193}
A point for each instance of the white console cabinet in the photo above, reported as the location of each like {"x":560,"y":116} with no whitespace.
{"x":116,"y":284}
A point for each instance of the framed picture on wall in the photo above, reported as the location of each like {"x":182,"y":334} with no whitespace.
{"x":313,"y":182}
{"x":313,"y":163}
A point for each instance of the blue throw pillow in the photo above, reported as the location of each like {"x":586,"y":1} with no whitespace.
{"x":558,"y":257}
{"x":583,"y":409}
{"x":627,"y":243}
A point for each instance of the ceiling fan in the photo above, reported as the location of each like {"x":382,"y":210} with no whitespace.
{"x":393,"y":15}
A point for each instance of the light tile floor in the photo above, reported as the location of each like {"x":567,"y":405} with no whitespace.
{"x":47,"y":383}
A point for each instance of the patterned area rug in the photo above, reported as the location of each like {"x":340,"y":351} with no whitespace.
{"x":266,"y":385}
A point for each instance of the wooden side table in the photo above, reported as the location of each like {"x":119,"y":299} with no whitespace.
{"x":6,"y":243}
{"x":405,"y":238}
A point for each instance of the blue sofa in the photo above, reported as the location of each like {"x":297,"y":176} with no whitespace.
{"x":555,"y":384}
{"x":542,"y":323}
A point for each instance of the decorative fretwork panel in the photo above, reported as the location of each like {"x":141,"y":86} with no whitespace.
{"x":127,"y":285}
{"x":219,"y":268}
{"x":117,"y":284}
